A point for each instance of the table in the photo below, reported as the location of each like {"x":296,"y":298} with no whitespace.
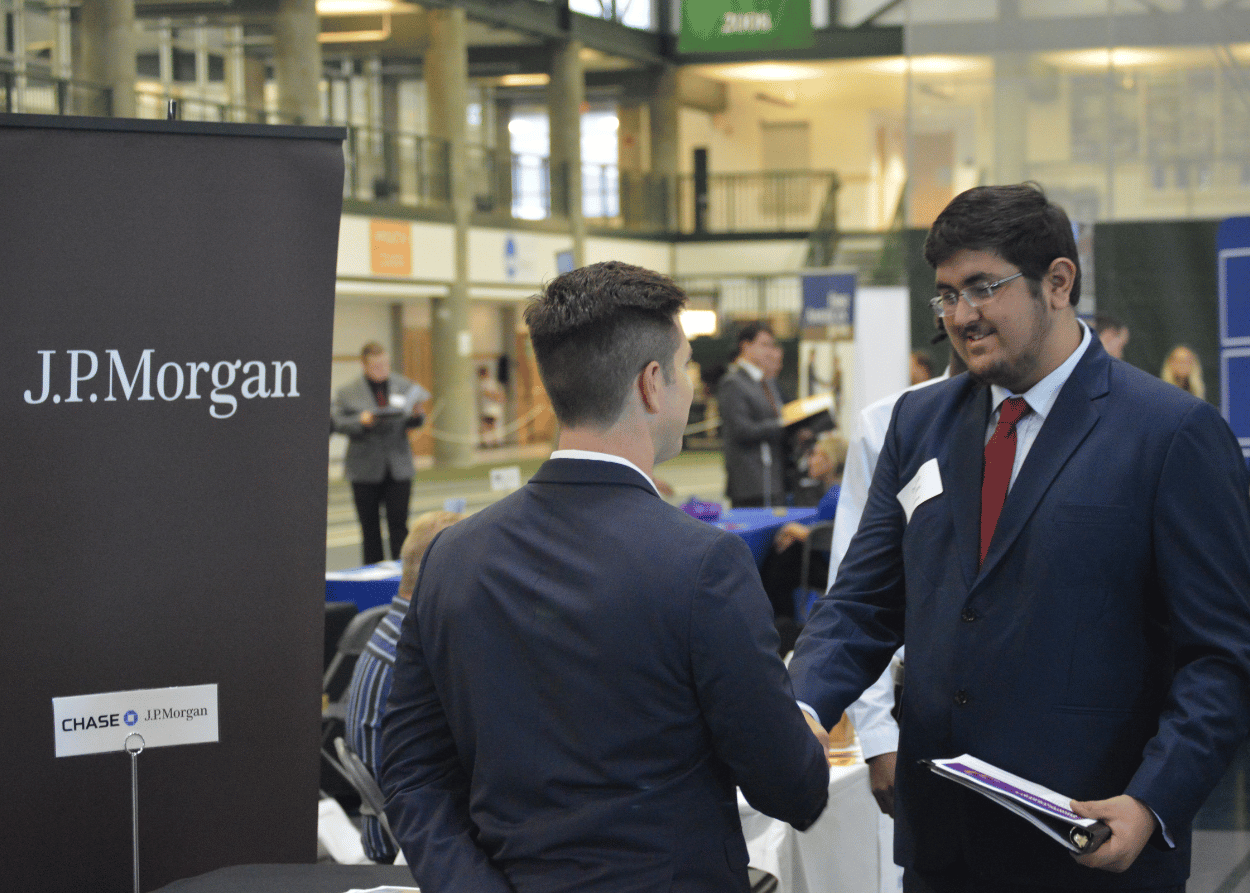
{"x":368,"y":586}
{"x":759,"y":526}
{"x":323,"y":878}
{"x":845,"y":851}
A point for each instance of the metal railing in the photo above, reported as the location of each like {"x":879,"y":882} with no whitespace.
{"x":415,"y":170}
{"x":39,"y":93}
{"x":386,"y":165}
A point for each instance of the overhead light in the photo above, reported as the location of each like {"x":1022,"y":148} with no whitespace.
{"x":355,"y":7}
{"x":769,"y":71}
{"x":524,"y":80}
{"x":1110,"y":57}
{"x":926,"y":64}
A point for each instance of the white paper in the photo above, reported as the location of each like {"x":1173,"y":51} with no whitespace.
{"x":1025,"y":798}
{"x":924,"y":486}
{"x":507,"y":478}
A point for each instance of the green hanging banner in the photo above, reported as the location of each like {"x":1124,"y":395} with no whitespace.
{"x":720,"y":26}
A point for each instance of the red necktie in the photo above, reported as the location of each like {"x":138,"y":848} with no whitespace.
{"x":1000,"y":455}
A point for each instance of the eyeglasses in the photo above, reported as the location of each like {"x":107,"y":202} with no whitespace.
{"x":947,"y":302}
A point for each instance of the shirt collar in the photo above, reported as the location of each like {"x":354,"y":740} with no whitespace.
{"x":1042,"y":396}
{"x":751,"y":369}
{"x":604,"y":457}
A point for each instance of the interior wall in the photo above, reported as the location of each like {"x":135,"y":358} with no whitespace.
{"x":844,"y":104}
{"x":764,"y":257}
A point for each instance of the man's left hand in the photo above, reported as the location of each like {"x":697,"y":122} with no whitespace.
{"x":1131,"y":823}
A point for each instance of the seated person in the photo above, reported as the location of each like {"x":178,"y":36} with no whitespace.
{"x":371,"y":680}
{"x":783,"y":565}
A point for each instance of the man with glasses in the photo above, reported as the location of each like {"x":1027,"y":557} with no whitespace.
{"x":1067,"y":541}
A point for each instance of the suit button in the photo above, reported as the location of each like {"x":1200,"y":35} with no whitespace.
{"x":968,"y":615}
{"x":961,"y":698}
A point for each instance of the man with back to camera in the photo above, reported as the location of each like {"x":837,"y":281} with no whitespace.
{"x":375,"y":412}
{"x":1090,"y":631}
{"x":751,"y":426}
{"x":586,"y":672}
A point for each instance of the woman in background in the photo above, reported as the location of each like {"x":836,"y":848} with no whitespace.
{"x":783,"y":565}
{"x":1183,"y":369}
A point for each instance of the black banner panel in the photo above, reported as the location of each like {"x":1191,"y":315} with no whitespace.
{"x":168,"y":300}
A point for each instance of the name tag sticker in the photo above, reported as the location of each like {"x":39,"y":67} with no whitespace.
{"x":163,"y":716}
{"x":924,"y":486}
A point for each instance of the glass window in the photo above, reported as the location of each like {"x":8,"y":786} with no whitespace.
{"x":634,"y":13}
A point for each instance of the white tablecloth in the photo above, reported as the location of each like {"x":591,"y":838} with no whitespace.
{"x":844,"y":852}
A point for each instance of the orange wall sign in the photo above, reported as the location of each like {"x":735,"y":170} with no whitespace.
{"x":390,"y":247}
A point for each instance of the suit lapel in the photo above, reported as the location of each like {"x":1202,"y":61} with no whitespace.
{"x":961,"y":472}
{"x":1070,"y":420}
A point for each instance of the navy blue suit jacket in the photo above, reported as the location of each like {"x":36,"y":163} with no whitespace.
{"x":1102,"y":649}
{"x":583,"y":676}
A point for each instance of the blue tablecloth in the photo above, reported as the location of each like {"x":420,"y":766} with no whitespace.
{"x":759,"y":526}
{"x":376,"y":584}
{"x":373,"y":584}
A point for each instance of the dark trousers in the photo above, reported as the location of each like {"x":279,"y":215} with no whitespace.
{"x":961,"y":882}
{"x":369,"y":499}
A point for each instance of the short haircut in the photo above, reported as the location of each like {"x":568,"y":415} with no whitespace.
{"x":371,"y":349}
{"x":1018,"y":223}
{"x":594,"y":329}
{"x":751,"y":330}
{"x":1103,"y":322}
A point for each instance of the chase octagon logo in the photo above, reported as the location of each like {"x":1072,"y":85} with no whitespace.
{"x":130,"y":718}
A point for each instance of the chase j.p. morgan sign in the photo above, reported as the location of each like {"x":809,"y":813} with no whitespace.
{"x":101,"y":723}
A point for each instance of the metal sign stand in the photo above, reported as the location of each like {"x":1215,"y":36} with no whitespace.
{"x":133,"y":745}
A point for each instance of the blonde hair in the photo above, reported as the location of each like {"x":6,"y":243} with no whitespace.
{"x":422,"y":532}
{"x":834,"y":446}
{"x":1194,"y":385}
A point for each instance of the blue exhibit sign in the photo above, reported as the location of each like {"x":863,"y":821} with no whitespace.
{"x":1233,"y":244}
{"x":1235,"y":378}
{"x":828,"y":299}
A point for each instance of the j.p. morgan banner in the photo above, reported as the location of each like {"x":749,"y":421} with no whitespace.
{"x":721,"y":26}
{"x":165,"y":381}
{"x":77,"y":376}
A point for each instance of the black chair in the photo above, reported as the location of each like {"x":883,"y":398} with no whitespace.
{"x":338,"y":615}
{"x":819,"y":539}
{"x":338,"y":673}
{"x":335,"y":690}
{"x":372,"y":801}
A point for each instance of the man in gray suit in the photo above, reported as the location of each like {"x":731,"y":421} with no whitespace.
{"x":751,"y":426}
{"x":375,"y":412}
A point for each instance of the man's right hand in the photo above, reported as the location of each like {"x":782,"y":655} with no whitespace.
{"x":366,"y":419}
{"x":881,"y":778}
{"x":822,"y":735}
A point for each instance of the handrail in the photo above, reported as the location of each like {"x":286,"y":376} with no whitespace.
{"x":414,"y":170}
